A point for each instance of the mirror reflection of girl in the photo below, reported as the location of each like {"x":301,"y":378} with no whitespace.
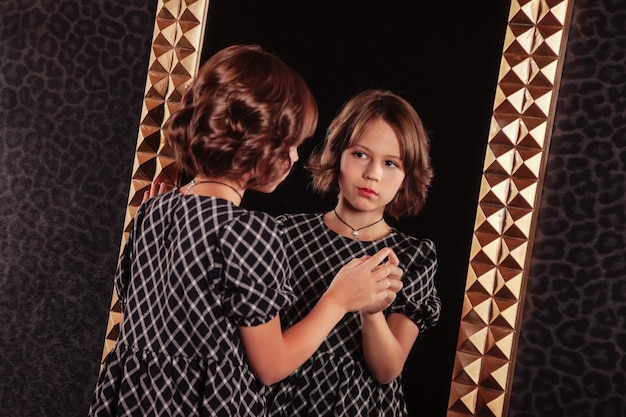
{"x":201,"y":281}
{"x":376,"y":157}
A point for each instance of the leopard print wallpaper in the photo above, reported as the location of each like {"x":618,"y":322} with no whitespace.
{"x":72,"y":74}
{"x":572,"y":353}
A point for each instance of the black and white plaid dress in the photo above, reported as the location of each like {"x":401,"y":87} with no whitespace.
{"x":193,"y":270}
{"x":335,"y":381}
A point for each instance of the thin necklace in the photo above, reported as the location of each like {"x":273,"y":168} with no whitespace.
{"x":355,"y":232}
{"x":193,"y":183}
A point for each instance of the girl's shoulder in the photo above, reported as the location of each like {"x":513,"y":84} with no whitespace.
{"x":254,"y":219}
{"x":250,"y":231}
{"x":211,"y":209}
{"x":406,"y":242}
{"x":296,"y":219}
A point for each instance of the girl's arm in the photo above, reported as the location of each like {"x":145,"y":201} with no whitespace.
{"x":273,"y":354}
{"x":387,"y":342}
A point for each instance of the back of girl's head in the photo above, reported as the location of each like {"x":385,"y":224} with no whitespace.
{"x":240,"y":117}
{"x":345,"y":130}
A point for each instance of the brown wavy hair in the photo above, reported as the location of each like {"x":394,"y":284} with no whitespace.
{"x":241,"y":115}
{"x":345,"y":130}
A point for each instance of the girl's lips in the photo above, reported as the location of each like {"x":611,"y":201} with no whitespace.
{"x":367,"y":192}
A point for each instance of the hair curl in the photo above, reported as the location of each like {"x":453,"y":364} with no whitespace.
{"x":240,"y":117}
{"x":345,"y":130}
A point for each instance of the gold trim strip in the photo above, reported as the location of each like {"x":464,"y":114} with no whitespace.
{"x":174,"y":61}
{"x":515,"y":162}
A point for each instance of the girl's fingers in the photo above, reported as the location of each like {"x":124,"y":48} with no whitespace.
{"x":393,"y":259}
{"x":146,"y":196}
{"x":377,"y":258}
{"x":354,"y":263}
{"x":163,"y":187}
{"x":395,"y":285}
{"x":389,"y":284}
{"x":154,"y":188}
{"x":395,"y":272}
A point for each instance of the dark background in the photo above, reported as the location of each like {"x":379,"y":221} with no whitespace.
{"x":72,"y":75}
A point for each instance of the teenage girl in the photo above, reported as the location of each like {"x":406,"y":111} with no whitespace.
{"x":201,"y":281}
{"x":375,"y":156}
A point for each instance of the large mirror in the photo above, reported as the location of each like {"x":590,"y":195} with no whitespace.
{"x":483,"y":76}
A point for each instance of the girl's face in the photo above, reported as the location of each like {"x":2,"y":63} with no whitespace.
{"x":293,"y":158}
{"x":371,"y":170}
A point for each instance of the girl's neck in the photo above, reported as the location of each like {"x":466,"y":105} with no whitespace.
{"x":356,"y":224}
{"x":215,"y":187}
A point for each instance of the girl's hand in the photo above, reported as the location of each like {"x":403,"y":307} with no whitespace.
{"x":395,"y":276}
{"x":366,"y":283}
{"x":156,"y":188}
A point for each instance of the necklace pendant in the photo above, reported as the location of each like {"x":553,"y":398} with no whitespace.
{"x":355,"y":233}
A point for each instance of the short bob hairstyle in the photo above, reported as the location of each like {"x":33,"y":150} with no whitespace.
{"x":240,"y":117}
{"x":345,"y":130}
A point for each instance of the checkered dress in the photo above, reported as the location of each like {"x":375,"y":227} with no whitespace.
{"x":193,"y":270}
{"x":335,"y":381}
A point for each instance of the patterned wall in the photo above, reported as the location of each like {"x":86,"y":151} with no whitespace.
{"x":71,"y":85}
{"x":72,"y":74}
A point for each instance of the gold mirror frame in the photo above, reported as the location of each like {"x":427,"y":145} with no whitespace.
{"x":506,"y":215}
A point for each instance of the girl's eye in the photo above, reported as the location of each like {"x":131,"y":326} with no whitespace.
{"x":360,"y":154}
{"x":392,"y":164}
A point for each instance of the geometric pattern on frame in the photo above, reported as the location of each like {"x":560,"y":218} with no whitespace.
{"x":147,"y":165}
{"x":512,"y":175}
{"x":188,"y":40}
{"x":174,"y":59}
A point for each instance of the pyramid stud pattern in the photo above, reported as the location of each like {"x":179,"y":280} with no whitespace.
{"x":174,"y":61}
{"x":514,"y":166}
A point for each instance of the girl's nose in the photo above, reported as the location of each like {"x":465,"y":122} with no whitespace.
{"x":372,"y":172}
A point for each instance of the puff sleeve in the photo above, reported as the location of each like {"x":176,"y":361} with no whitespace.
{"x":256,"y":270}
{"x":418,"y":299}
